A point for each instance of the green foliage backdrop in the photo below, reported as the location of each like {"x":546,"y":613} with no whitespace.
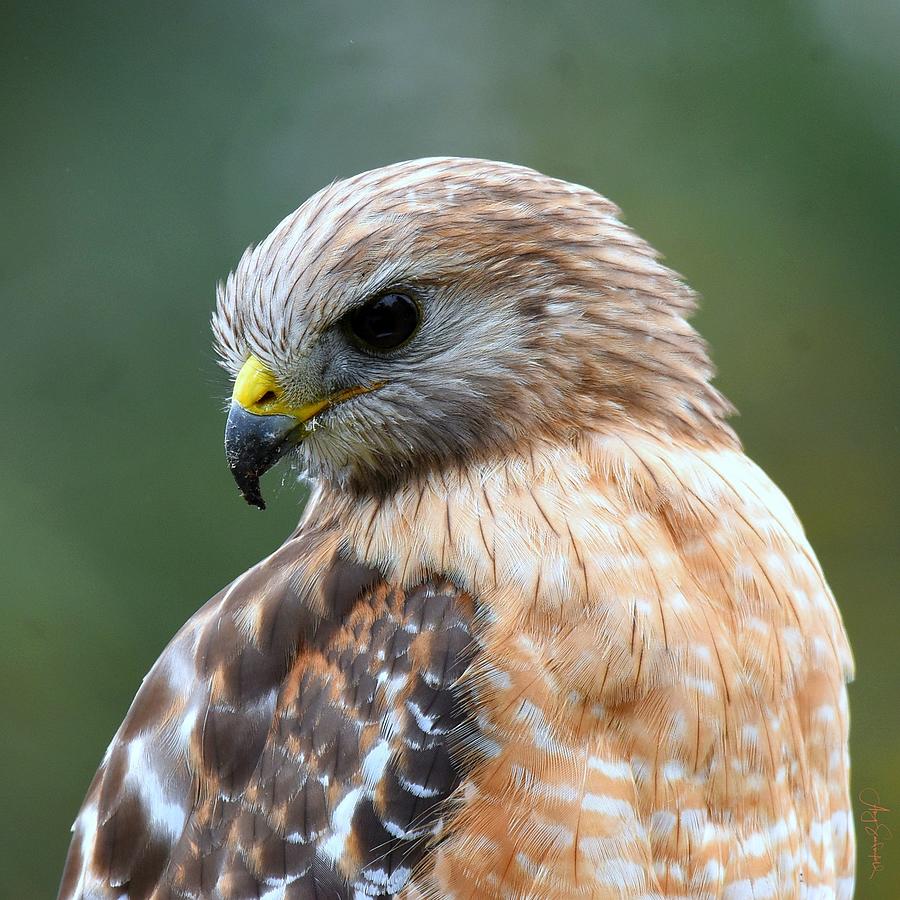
{"x":146,"y":144}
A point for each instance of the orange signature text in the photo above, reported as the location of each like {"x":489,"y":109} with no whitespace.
{"x":877,"y":831}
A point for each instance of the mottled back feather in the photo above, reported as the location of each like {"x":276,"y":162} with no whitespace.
{"x":303,"y":732}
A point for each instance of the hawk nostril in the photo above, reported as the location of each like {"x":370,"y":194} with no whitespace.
{"x":268,"y":397}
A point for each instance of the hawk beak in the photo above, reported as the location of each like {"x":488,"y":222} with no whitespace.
{"x":262,"y":428}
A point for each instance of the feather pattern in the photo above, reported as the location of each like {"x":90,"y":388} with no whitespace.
{"x":293,"y":737}
{"x":662,"y":680}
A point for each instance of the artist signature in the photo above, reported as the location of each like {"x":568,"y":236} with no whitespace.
{"x":878,"y":831}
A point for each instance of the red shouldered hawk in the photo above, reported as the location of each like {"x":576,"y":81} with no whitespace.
{"x":543,"y":629}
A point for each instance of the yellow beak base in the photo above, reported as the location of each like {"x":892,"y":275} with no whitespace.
{"x":257,"y":391}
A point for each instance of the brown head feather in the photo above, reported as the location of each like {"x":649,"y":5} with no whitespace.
{"x":544,"y":316}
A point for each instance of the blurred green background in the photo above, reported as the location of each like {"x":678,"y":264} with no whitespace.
{"x":145,"y":145}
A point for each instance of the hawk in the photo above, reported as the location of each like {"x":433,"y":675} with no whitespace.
{"x":543,"y":629}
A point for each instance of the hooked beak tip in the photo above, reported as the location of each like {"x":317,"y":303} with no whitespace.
{"x":249,"y":487}
{"x":253,"y":444}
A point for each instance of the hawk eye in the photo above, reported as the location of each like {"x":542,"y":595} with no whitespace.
{"x":385,"y":322}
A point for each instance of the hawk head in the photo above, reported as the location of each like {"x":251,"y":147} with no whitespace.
{"x":437,"y":311}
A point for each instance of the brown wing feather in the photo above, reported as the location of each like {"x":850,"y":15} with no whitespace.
{"x":300,"y":733}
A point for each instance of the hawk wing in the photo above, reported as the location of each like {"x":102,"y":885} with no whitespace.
{"x":299,"y":736}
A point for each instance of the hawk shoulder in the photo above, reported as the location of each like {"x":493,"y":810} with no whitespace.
{"x":301,"y":733}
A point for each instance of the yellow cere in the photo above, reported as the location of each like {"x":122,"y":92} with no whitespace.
{"x":256,"y":389}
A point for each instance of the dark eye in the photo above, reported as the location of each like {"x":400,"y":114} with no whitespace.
{"x":385,"y":322}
